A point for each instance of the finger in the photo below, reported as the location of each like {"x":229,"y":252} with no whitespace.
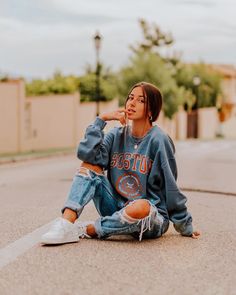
{"x":194,"y":236}
{"x":197,"y":233}
{"x":126,"y":119}
{"x":123,"y":121}
{"x":122,"y":110}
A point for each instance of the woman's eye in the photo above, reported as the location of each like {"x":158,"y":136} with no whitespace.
{"x":141,"y":100}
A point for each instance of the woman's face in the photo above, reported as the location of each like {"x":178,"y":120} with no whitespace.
{"x":135,"y":105}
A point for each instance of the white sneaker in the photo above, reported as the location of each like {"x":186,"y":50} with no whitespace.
{"x":62,"y":231}
{"x":82,"y":228}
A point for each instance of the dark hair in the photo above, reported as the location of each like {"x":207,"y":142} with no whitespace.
{"x":153,"y":99}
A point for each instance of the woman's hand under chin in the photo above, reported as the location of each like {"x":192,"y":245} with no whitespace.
{"x":119,"y":115}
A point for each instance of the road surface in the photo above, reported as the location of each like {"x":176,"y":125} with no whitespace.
{"x":33,"y":192}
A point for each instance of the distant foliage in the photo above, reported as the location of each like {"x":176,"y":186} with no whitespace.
{"x":208,"y":89}
{"x":58,"y":84}
{"x":3,"y":77}
{"x":85,"y":84}
{"x":149,"y":67}
{"x":153,"y":38}
{"x":108,"y":88}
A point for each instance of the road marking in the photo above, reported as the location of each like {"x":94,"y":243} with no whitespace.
{"x":199,"y":190}
{"x":17,"y":248}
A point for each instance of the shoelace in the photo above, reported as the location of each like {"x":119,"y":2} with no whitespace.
{"x":82,"y":229}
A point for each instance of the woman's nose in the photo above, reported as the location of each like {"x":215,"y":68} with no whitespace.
{"x":133,"y":102}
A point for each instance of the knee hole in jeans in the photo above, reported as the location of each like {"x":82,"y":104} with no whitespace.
{"x":138,"y":209}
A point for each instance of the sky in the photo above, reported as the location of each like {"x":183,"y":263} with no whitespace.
{"x":41,"y":36}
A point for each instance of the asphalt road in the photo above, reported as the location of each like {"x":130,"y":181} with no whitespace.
{"x":33,"y":192}
{"x":207,"y":165}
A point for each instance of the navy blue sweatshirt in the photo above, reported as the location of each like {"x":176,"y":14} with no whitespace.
{"x":139,"y":168}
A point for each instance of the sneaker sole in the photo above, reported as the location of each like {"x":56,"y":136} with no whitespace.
{"x":56,"y":242}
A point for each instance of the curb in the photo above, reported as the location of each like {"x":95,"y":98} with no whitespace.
{"x":25,"y":158}
{"x":199,"y":190}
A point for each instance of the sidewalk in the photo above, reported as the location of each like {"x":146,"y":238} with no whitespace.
{"x":207,"y":166}
{"x":27,"y":156}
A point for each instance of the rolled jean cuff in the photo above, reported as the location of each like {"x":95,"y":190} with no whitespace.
{"x":73,"y":206}
{"x":98,"y":229}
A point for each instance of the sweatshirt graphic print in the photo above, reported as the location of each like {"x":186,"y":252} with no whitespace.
{"x":129,"y":168}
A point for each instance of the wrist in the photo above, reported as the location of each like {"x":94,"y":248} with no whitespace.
{"x":103,"y":117}
{"x":100,"y":122}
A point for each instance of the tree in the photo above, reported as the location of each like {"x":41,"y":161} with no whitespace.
{"x":108,"y":88}
{"x":4,"y":78}
{"x":175,"y":79}
{"x":85,"y":84}
{"x":153,"y":38}
{"x":148,"y":64}
{"x":58,"y":84}
{"x":149,"y":67}
{"x":208,"y":88}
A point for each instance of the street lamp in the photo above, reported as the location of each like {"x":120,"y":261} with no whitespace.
{"x":196,"y":83}
{"x":97,"y":42}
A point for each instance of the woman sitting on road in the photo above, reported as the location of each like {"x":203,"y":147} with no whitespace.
{"x":139,"y":195}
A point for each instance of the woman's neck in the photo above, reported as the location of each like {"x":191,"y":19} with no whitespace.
{"x":140,"y":128}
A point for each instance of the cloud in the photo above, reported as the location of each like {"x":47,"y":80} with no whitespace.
{"x":48,"y":13}
{"x":41,"y":35}
{"x":203,"y":3}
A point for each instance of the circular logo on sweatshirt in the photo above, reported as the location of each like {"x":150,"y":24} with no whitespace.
{"x":129,"y":185}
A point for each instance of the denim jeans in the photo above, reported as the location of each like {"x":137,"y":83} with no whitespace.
{"x":88,"y":185}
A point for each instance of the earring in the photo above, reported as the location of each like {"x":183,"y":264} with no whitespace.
{"x":150,"y":118}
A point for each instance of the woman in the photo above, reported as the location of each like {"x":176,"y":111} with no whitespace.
{"x":139,"y":196}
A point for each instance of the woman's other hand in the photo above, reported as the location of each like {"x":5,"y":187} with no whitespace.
{"x":196,"y":234}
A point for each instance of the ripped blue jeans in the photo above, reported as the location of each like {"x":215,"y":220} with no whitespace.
{"x":88,"y":185}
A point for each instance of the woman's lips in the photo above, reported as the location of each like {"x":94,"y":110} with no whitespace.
{"x":131,"y":111}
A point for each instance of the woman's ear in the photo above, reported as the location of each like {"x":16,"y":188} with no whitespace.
{"x":150,"y":116}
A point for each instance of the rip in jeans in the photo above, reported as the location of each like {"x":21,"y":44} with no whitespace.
{"x":85,"y":172}
{"x":82,"y":171}
{"x":145,"y":222}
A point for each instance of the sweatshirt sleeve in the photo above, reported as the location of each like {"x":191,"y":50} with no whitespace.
{"x":175,"y":199}
{"x":95,"y":147}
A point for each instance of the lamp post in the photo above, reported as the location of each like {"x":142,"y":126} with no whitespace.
{"x":196,"y":83}
{"x":97,"y":42}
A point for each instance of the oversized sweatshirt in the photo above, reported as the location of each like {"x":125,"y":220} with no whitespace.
{"x":139,"y":168}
